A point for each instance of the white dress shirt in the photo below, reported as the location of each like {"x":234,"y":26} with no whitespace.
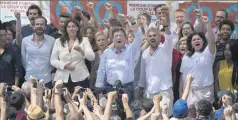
{"x":61,"y":56}
{"x":119,"y":66}
{"x":200,"y":65}
{"x":155,"y":75}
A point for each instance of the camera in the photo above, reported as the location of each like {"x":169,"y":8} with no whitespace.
{"x":9,"y":89}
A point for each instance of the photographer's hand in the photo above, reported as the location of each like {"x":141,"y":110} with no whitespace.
{"x":111,"y":98}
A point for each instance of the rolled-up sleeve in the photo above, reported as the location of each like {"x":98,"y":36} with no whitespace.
{"x":88,"y":51}
{"x":54,"y":60}
{"x":101,"y":70}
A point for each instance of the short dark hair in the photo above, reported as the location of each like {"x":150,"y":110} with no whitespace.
{"x":2,"y":27}
{"x":17,"y":100}
{"x":12,"y":31}
{"x":189,"y":41}
{"x":227,"y":22}
{"x":117,"y":29}
{"x":65,"y":15}
{"x":224,"y":12}
{"x":34,"y":7}
{"x":204,"y":108}
{"x":158,"y":6}
{"x":42,"y":18}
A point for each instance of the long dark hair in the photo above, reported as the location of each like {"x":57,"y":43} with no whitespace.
{"x":180,"y":31}
{"x":234,"y":53}
{"x":65,"y":36}
{"x":189,"y":43}
{"x":93,"y":42}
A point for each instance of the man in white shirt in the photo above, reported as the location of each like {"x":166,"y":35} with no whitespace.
{"x":156,"y":63}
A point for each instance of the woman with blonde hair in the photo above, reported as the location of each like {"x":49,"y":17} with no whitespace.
{"x":101,"y":41}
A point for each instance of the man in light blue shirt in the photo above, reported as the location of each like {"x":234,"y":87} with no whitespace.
{"x":36,"y":51}
{"x":118,"y":63}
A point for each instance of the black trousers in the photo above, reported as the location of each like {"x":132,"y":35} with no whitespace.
{"x":70,"y":85}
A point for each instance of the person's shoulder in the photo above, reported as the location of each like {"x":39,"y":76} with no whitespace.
{"x":48,"y":37}
{"x":26,"y":26}
{"x":27,"y":38}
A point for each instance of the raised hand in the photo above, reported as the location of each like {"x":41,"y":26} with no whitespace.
{"x":165,"y":19}
{"x":112,"y":96}
{"x":83,"y":100}
{"x":125,"y":99}
{"x":190,"y":78}
{"x":164,"y":107}
{"x":90,"y":5}
{"x":17,"y":15}
{"x":122,"y":18}
{"x":205,"y":19}
{"x":15,"y":88}
{"x":58,"y":84}
{"x":67,"y":95}
{"x":157,"y":99}
{"x":228,"y":111}
{"x":2,"y":88}
{"x":108,"y":6}
{"x":77,"y":9}
{"x":131,"y":19}
{"x":198,"y":12}
{"x":106,"y":23}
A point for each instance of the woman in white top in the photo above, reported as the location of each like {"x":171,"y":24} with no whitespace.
{"x":68,"y":57}
{"x":198,"y":61}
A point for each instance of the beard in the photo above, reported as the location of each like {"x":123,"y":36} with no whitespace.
{"x":39,"y":31}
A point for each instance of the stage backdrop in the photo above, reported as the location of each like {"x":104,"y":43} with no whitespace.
{"x":51,"y":9}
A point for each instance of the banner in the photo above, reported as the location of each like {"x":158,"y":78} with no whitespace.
{"x":135,"y":7}
{"x":61,"y":6}
{"x":7,"y":9}
{"x":209,"y":9}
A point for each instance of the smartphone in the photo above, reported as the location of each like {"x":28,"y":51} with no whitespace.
{"x":9,"y":89}
{"x":35,"y":84}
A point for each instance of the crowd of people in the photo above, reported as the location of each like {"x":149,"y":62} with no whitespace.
{"x":131,"y":69}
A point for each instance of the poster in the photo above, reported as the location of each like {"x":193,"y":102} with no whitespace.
{"x":135,"y":7}
{"x":7,"y":9}
{"x":59,"y":6}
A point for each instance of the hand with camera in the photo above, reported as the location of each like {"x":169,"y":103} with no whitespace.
{"x":91,"y":96}
{"x":67,"y":95}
